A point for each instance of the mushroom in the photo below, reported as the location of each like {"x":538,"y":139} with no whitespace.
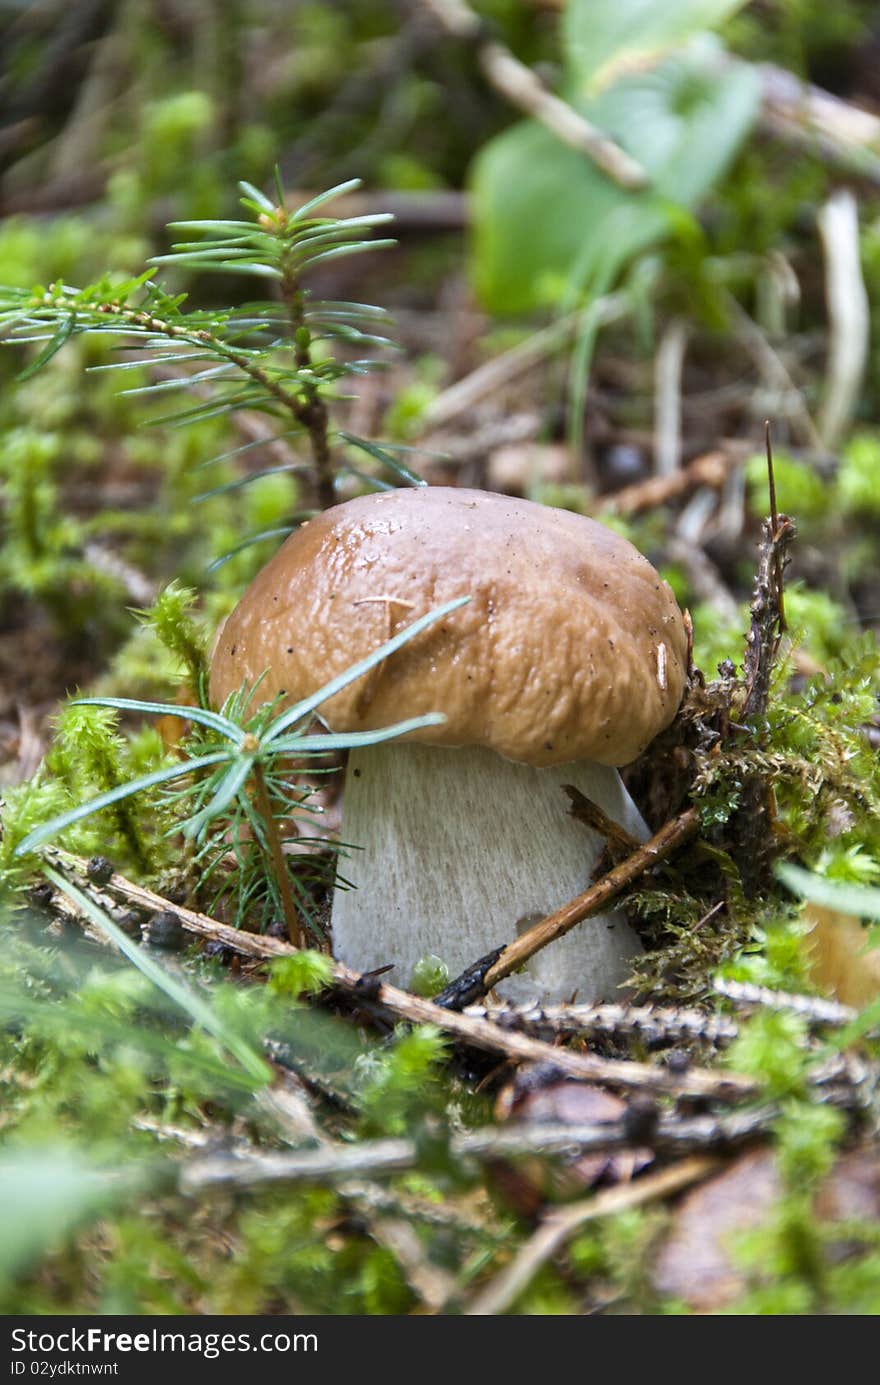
{"x":566,"y":662}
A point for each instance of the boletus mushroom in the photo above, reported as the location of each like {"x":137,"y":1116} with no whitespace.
{"x":566,"y":662}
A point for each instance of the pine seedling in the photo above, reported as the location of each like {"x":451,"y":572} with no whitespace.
{"x":239,"y":771}
{"x":284,"y":355}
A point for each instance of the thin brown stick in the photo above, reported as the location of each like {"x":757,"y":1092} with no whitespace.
{"x":277,"y":858}
{"x":671,"y":836}
{"x":524,"y":90}
{"x":709,"y":470}
{"x":559,"y":1226}
{"x":522,"y":359}
{"x":334,"y":1160}
{"x":478,"y":1033}
{"x":582,"y":809}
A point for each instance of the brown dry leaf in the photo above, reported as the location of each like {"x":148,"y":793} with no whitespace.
{"x":696,"y":1262}
{"x":541,"y":1097}
{"x":839,"y":961}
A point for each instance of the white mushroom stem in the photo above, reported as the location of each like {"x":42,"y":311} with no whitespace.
{"x":461,"y":849}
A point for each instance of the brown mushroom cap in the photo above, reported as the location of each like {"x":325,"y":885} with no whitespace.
{"x":571,"y":648}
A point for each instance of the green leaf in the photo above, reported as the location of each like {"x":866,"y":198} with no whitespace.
{"x":348,"y":740}
{"x":604,"y":38}
{"x":860,"y":901}
{"x":254,"y":194}
{"x":47,"y":830}
{"x":46,"y":1192}
{"x":214,"y":720}
{"x":192,"y":1004}
{"x":382,"y":455}
{"x":295,"y":468}
{"x":64,"y":333}
{"x":249,"y":543}
{"x":357,"y":248}
{"x":323,"y":197}
{"x":229,"y":787}
{"x":308,"y":704}
{"x":368,"y":480}
{"x":548,"y":225}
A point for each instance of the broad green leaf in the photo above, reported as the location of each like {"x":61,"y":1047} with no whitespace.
{"x":189,"y":1001}
{"x":606,"y":38}
{"x":860,"y":901}
{"x":46,"y":1192}
{"x":550,"y":226}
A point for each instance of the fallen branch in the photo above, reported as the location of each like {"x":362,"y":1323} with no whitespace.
{"x":671,"y":836}
{"x":711,"y":469}
{"x":647,"y":1023}
{"x":811,"y":1007}
{"x":478,"y":1033}
{"x":560,"y":1225}
{"x":251,"y":1168}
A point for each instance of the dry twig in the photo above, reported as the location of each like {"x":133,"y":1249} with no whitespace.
{"x":251,"y":1168}
{"x":524,"y":90}
{"x":711,"y":469}
{"x":848,"y":315}
{"x":560,"y":1225}
{"x":671,"y":836}
{"x":841,"y":134}
{"x":480,"y":1034}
